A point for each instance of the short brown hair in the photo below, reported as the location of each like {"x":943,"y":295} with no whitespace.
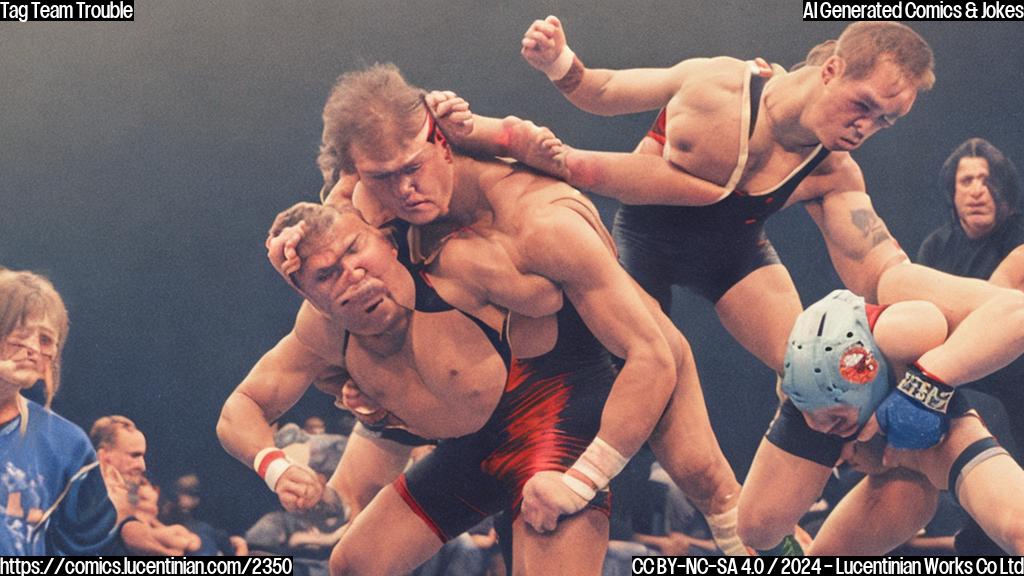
{"x":817,"y":56}
{"x":23,"y":294}
{"x":104,"y":431}
{"x":363,"y":106}
{"x":863,"y":44}
{"x":318,"y":219}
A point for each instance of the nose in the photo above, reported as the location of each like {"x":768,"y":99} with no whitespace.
{"x":865,"y":127}
{"x":353,"y":272}
{"x":33,"y":346}
{"x":406,"y":186}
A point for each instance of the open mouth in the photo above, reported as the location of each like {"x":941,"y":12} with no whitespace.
{"x":370,"y":309}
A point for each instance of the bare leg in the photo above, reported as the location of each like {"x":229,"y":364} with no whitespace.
{"x":386,"y":538}
{"x":760,"y":310}
{"x":683,"y":441}
{"x":992,"y":492}
{"x":687,"y":448}
{"x":954,"y":295}
{"x":578,"y":546}
{"x":879,"y":514}
{"x":780,"y":488}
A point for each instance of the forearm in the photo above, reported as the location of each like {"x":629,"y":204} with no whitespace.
{"x":636,"y":402}
{"x":863,"y":275}
{"x":339,"y":193}
{"x":244,"y":428}
{"x":490,"y":136}
{"x":639,"y":179}
{"x":139,"y":539}
{"x":607,"y":92}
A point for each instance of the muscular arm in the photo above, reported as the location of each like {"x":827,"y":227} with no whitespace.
{"x":609,"y":92}
{"x":274,"y":385}
{"x":1010,"y":273}
{"x":565,"y":248}
{"x":639,"y":179}
{"x":859,"y":243}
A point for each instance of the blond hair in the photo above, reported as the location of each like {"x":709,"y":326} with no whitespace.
{"x":24,"y":294}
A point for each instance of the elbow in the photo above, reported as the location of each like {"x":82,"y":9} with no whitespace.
{"x":225,"y":422}
{"x":223,"y":428}
{"x":661,"y":366}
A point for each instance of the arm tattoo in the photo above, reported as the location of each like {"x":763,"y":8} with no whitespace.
{"x":572,"y":79}
{"x":872,"y":229}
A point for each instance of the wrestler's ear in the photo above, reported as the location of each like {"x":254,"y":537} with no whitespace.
{"x":447,"y":150}
{"x":833,"y":68}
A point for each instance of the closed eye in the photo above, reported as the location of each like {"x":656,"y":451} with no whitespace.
{"x":326,"y":274}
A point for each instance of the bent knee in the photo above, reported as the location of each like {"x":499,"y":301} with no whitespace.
{"x":760,"y":527}
{"x":349,"y":561}
{"x":1013,"y":538}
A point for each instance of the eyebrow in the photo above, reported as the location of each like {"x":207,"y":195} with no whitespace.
{"x":387,"y":173}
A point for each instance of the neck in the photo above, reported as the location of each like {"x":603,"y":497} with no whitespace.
{"x":468,"y":197}
{"x":8,"y":406}
{"x":786,"y":103}
{"x":391,"y":340}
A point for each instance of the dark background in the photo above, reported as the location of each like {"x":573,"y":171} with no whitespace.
{"x":141,"y":164}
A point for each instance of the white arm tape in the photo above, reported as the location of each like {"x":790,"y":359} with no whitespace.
{"x":560,"y":67}
{"x":275,"y":470}
{"x":579,"y":487}
{"x":600,"y":463}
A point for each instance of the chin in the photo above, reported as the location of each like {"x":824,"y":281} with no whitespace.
{"x":421,"y":218}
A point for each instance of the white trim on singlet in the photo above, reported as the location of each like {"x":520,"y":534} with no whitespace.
{"x":744,"y":154}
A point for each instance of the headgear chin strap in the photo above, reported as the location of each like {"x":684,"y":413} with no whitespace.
{"x":832,"y":358}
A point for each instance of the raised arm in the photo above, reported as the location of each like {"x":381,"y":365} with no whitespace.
{"x":644,"y":178}
{"x":273,"y":386}
{"x":599,"y":91}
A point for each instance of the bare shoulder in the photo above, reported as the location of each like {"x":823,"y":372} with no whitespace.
{"x":710,"y":83}
{"x":319,"y":334}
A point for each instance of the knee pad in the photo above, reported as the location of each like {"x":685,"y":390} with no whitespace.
{"x":973,"y":455}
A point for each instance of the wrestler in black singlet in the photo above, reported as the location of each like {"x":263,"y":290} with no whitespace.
{"x":548,"y":414}
{"x":705,"y":248}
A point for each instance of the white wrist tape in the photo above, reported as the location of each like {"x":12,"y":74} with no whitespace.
{"x":270,"y":463}
{"x":274,"y":472}
{"x":560,"y":67}
{"x":579,"y":487}
{"x":600,"y":463}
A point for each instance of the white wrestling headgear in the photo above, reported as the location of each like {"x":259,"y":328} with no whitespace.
{"x":832,"y":358}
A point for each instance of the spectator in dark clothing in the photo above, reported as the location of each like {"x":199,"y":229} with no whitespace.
{"x":981,"y":187}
